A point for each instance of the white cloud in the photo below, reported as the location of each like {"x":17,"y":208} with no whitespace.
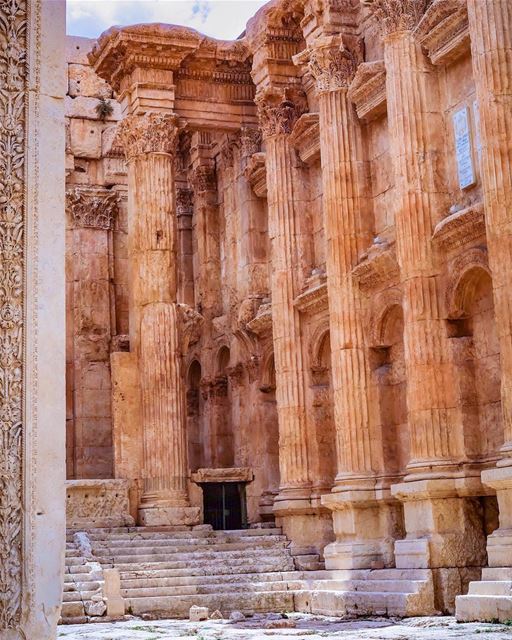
{"x":224,"y":19}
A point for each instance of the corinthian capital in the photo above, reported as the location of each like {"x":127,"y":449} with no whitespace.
{"x":397,"y":15}
{"x":332,"y":62}
{"x":279,"y":109}
{"x":148,"y":133}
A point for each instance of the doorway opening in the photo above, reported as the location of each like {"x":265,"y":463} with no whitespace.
{"x":224,"y":505}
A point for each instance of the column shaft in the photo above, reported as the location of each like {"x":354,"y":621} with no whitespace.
{"x":491,"y":43}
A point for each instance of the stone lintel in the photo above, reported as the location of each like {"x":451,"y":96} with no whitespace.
{"x":234,"y":474}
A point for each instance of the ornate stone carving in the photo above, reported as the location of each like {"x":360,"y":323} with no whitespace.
{"x":314,"y":299}
{"x":306,"y":138}
{"x":91,"y":207}
{"x":279,"y":109}
{"x":460,"y":228}
{"x":204,"y":178}
{"x":98,"y":503}
{"x":184,"y":202}
{"x":368,"y":90}
{"x":191,"y":323}
{"x":250,"y":141}
{"x":444,"y":30}
{"x":149,"y":133}
{"x":256,"y":174}
{"x":377,"y":267}
{"x":476,"y":257}
{"x":262,"y":322}
{"x":331,"y":62}
{"x":13,"y":90}
{"x":396,"y":15}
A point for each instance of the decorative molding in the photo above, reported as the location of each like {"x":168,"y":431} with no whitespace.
{"x":184,"y":202}
{"x":191,"y":325}
{"x":460,"y":228}
{"x":262,"y":322}
{"x":381,"y":305}
{"x":392,"y":16}
{"x":279,"y":109}
{"x":235,"y":474}
{"x":98,"y":503}
{"x":444,"y":31}
{"x":204,"y":178}
{"x":314,"y":299}
{"x":377,"y":267}
{"x":368,"y":90}
{"x":13,"y":140}
{"x":256,"y":174}
{"x":305,"y":138}
{"x":331,"y":62}
{"x":93,"y":207}
{"x":149,"y":133}
{"x":475,"y":258}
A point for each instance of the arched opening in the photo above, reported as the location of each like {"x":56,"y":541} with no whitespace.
{"x":323,"y":415}
{"x":223,"y":440}
{"x":389,"y":375}
{"x":475,"y":350}
{"x":195,"y":417}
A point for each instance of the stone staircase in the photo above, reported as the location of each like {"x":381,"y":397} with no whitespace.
{"x":366,"y":592}
{"x":163,"y":572}
{"x":489,"y":599}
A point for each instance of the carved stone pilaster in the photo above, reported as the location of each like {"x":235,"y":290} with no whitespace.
{"x":332,"y":62}
{"x":396,"y":15}
{"x":204,"y":178}
{"x":149,"y":133}
{"x":279,"y":109}
{"x":92,"y":207}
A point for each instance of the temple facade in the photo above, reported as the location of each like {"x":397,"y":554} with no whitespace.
{"x":288,"y":274}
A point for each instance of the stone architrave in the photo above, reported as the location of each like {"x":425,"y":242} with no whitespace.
{"x":32,"y":390}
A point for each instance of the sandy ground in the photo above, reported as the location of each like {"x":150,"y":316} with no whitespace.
{"x":307,"y":628}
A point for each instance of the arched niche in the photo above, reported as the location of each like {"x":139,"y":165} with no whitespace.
{"x":222,"y":414}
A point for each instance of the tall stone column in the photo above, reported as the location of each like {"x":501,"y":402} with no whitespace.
{"x":490,"y":24}
{"x":149,"y":142}
{"x":279,"y":109}
{"x":442,"y":529}
{"x":363,"y":531}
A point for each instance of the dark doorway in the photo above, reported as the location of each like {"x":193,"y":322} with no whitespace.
{"x":224,"y":505}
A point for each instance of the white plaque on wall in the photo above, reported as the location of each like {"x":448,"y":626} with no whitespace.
{"x":463,"y":149}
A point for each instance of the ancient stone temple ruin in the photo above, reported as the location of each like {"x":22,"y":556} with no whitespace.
{"x":288,"y":314}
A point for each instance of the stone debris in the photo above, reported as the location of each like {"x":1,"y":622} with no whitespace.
{"x":216,"y":615}
{"x":198,"y":614}
{"x":236,"y":616}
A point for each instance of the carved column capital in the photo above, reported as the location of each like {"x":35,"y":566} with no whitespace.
{"x":331,"y":62}
{"x":148,"y":133}
{"x":250,"y":141}
{"x":204,"y":178}
{"x":90,"y":207}
{"x":184,"y":202}
{"x":279,"y":109}
{"x":397,"y":15}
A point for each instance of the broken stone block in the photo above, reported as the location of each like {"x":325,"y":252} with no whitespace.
{"x":236,"y":616}
{"x":216,"y":615}
{"x":198,"y":614}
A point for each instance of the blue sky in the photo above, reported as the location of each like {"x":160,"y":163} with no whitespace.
{"x":224,"y":19}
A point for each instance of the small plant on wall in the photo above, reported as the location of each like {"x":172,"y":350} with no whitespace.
{"x":104,"y":109}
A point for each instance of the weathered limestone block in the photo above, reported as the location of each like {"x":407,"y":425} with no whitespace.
{"x":84,"y":82}
{"x":97,"y":503}
{"x":85,"y":138}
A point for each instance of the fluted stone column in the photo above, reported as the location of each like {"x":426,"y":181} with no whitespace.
{"x":149,"y":143}
{"x":278,"y":113}
{"x":442,"y":528}
{"x":490,"y":24}
{"x":363,"y":531}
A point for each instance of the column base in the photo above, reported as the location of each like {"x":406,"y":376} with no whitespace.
{"x":499,"y":543}
{"x":365,"y":527}
{"x":443,"y":529}
{"x":169,"y":516}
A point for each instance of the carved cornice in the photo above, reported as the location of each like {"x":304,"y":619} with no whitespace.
{"x":184,"y":202}
{"x":368,"y":90}
{"x":13,"y":139}
{"x":92,"y":206}
{"x":444,"y":30}
{"x":262,"y":322}
{"x":460,"y":228}
{"x":279,"y":109}
{"x":305,"y":138}
{"x":250,"y":141}
{"x":148,"y":133}
{"x":256,"y":174}
{"x":331,"y":61}
{"x":377,"y":268}
{"x":204,"y":178}
{"x":392,"y":16}
{"x":315,"y":297}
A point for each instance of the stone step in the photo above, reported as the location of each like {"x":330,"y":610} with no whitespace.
{"x":72,"y":610}
{"x":216,"y":547}
{"x":187,"y":580}
{"x":212,"y":565}
{"x":75,"y":561}
{"x":243,"y":543}
{"x":148,"y":533}
{"x":367,"y":586}
{"x":179,"y":606}
{"x":77,"y":568}
{"x":488,"y":588}
{"x":81,"y":586}
{"x":483,"y":608}
{"x":204,"y":589}
{"x":75,"y":596}
{"x":203,"y":556}
{"x":170,"y":570}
